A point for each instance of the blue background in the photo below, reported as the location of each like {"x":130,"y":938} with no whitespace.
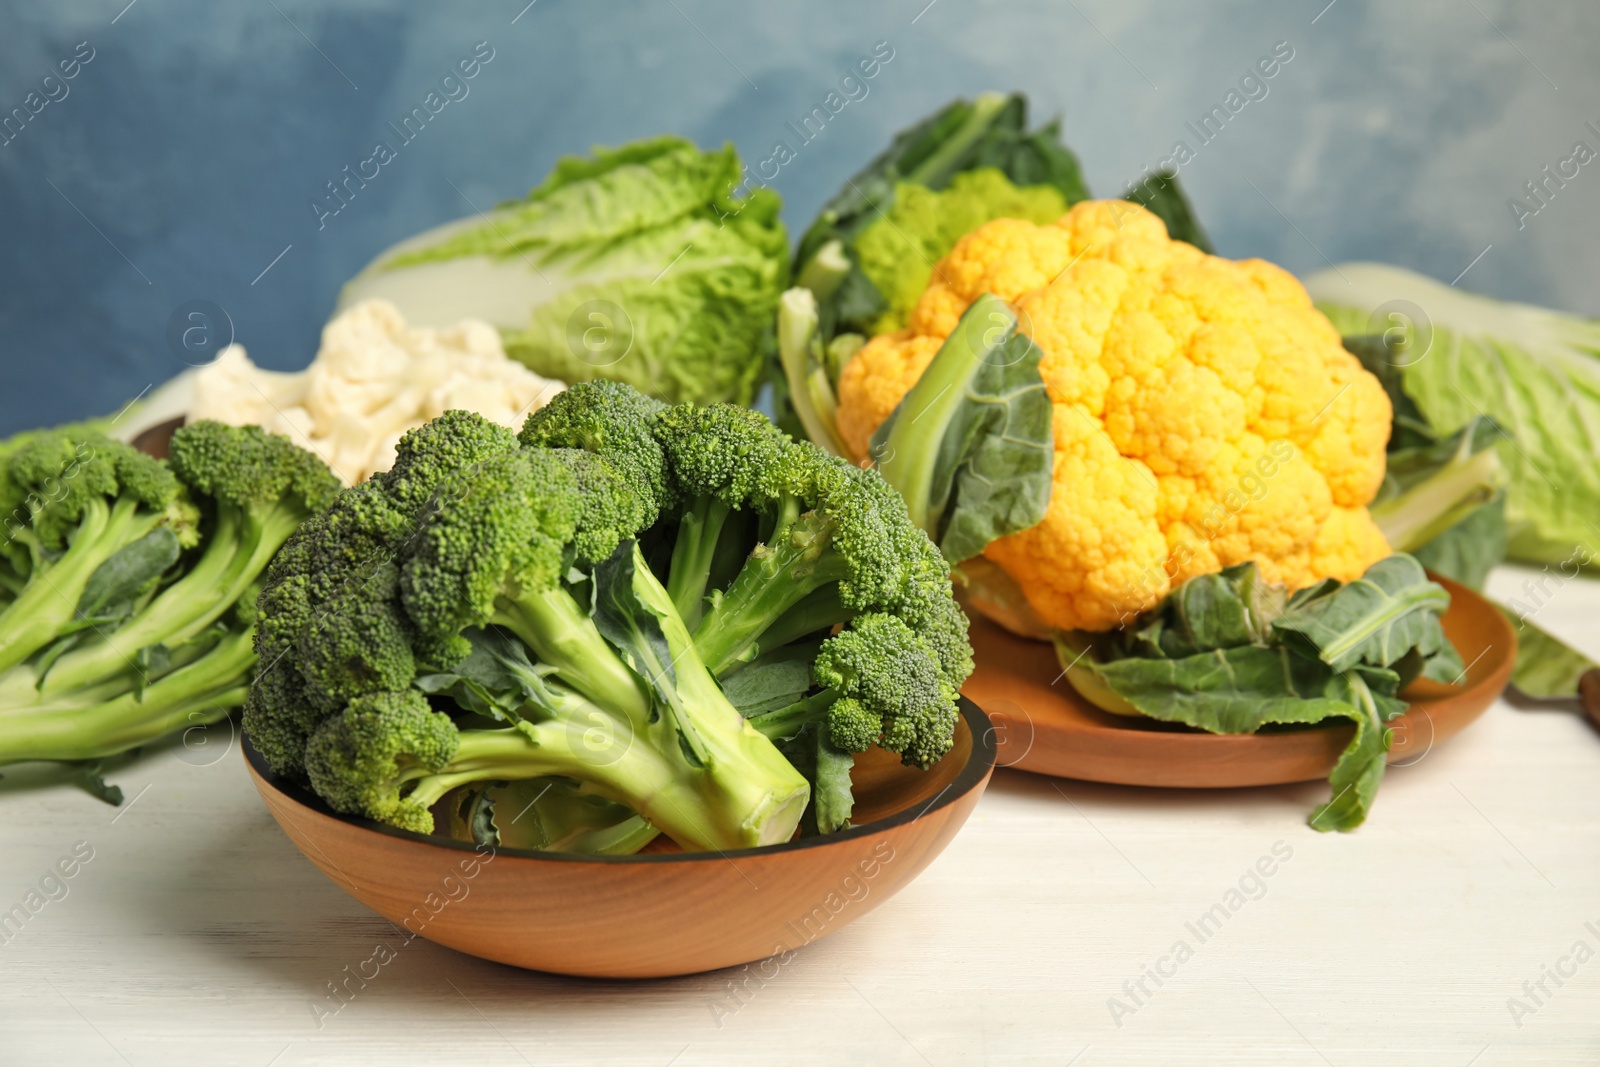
{"x":188,"y":151}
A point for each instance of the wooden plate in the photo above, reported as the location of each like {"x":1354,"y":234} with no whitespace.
{"x":1042,"y":725}
{"x":657,"y":913}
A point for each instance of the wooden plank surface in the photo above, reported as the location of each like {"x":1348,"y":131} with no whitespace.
{"x":196,"y":934}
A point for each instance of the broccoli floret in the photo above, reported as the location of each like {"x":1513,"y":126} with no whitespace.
{"x":432,"y":452}
{"x":892,"y":690}
{"x":612,"y":421}
{"x":360,"y":759}
{"x":68,"y":511}
{"x":837,"y":543}
{"x":127,"y":575}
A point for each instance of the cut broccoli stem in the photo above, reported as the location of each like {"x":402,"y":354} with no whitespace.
{"x":795,"y":562}
{"x":87,"y":725}
{"x":563,"y":636}
{"x":50,"y":599}
{"x":693,"y":553}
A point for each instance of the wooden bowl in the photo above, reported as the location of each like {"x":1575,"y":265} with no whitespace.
{"x":156,"y":440}
{"x":1041,"y":723}
{"x":657,"y":913}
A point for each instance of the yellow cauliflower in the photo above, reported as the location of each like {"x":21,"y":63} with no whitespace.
{"x":1205,"y":413}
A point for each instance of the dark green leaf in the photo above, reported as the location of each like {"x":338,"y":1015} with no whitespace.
{"x":1227,"y":691}
{"x":1469,"y":550}
{"x":772,"y":681}
{"x":86,"y":776}
{"x":1384,"y":356}
{"x":1163,"y":196}
{"x":828,"y":769}
{"x":129,"y":571}
{"x":1376,"y":619}
{"x":1359,"y":771}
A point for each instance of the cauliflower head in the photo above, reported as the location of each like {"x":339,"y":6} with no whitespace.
{"x":1204,"y":412}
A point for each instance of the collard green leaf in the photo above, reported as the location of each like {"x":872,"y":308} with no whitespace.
{"x":1376,"y":619}
{"x":1383,"y":355}
{"x":1233,"y":607}
{"x":1359,"y":771}
{"x":1469,"y":550}
{"x":970,"y":447}
{"x":1240,"y":690}
{"x":1227,"y":691}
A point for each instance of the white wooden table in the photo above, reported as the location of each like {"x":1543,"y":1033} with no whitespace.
{"x":197,"y":934}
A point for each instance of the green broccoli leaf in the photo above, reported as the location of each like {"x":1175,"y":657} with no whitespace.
{"x":129,"y":571}
{"x":827,"y":767}
{"x":772,"y":681}
{"x":633,"y":627}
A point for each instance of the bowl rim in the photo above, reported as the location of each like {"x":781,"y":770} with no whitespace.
{"x":979,"y":765}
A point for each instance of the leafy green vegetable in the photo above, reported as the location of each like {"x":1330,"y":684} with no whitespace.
{"x":1441,"y":498}
{"x":1230,"y":654}
{"x":1162,"y":195}
{"x":1534,"y":371}
{"x":1378,"y":619}
{"x":1547,"y":667}
{"x":635,"y":263}
{"x":970,"y":446}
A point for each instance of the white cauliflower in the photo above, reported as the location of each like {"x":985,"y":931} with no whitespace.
{"x":372,"y":380}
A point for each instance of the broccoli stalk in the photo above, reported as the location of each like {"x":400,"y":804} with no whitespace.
{"x":151,"y":638}
{"x":112,"y":717}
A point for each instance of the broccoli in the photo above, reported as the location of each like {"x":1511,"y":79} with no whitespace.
{"x":601,"y":601}
{"x":836,"y":547}
{"x":130,"y":582}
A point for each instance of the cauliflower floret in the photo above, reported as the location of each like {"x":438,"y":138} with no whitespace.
{"x":1205,"y":413}
{"x":373,"y":379}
